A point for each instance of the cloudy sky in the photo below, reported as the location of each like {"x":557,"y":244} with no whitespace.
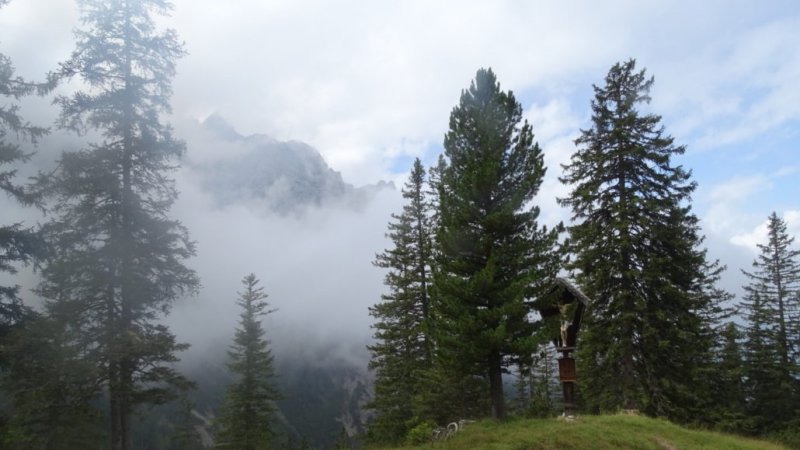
{"x":371,"y":83}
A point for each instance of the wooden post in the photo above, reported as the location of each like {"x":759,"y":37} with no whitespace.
{"x":568,"y":376}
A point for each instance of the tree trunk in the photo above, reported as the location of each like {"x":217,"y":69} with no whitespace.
{"x":627,"y":383}
{"x":113,"y":366}
{"x":496,"y":386}
{"x":113,"y":393}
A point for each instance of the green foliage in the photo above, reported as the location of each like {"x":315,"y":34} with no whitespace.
{"x":491,"y":254}
{"x":402,"y":348}
{"x":448,"y":395}
{"x":636,"y":247}
{"x":52,"y":387}
{"x":595,"y":432}
{"x":772,"y":310}
{"x":420,"y":433}
{"x":537,"y":384}
{"x":246,"y":419}
{"x":788,"y":436}
{"x":726,"y":376}
{"x":117,"y":258}
{"x":544,"y":385}
{"x":18,"y":244}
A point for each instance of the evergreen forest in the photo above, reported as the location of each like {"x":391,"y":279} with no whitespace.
{"x":88,"y":358}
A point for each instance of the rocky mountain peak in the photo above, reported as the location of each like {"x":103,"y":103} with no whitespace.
{"x":283,"y":176}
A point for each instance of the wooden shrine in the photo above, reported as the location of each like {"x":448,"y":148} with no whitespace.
{"x":564,"y":305}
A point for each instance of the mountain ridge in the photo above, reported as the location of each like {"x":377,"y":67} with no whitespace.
{"x":284,"y":176}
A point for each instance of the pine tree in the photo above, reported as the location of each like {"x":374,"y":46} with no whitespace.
{"x":491,"y":253}
{"x":728,"y":374}
{"x":50,"y":385}
{"x":772,"y":310}
{"x":635,"y":242}
{"x":403,"y":346}
{"x":18,"y":244}
{"x":248,"y":413}
{"x":762,"y":363}
{"x":117,"y":262}
{"x":718,"y":368}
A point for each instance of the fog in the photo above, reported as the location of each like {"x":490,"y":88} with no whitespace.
{"x":370,"y":86}
{"x":315,"y":263}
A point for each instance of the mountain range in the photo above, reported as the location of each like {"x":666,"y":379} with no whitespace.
{"x":324,"y":396}
{"x":282,"y":176}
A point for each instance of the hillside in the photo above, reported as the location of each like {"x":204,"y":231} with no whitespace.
{"x":591,"y":432}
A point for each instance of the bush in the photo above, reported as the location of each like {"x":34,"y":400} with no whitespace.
{"x":421,"y":433}
{"x":789,"y":437}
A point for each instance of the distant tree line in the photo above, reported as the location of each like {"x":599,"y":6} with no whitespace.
{"x":469,"y":261}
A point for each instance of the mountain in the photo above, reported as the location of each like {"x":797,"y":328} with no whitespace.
{"x":325,"y":383}
{"x":283,"y":176}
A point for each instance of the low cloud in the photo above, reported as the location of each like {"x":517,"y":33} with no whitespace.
{"x":315,"y":265}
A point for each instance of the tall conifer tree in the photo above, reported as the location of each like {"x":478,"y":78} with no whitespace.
{"x":772,"y":308}
{"x":249,"y":410}
{"x":491,"y":252}
{"x":403,"y":347}
{"x":635,"y":242}
{"x":117,"y":261}
{"x":18,"y":244}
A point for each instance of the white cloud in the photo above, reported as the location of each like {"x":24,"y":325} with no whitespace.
{"x":726,"y":212}
{"x":733,"y":227}
{"x":758,"y":235}
{"x":316,"y":268}
{"x":355,"y":79}
{"x":731,"y":90}
{"x":371,"y":83}
{"x":555,"y":127}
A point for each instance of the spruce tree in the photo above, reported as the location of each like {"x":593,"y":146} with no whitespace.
{"x":772,"y":310}
{"x":248,"y":414}
{"x":719,"y":366}
{"x":402,"y":348}
{"x":51,"y":385}
{"x":117,"y":258}
{"x":727,"y":372}
{"x":762,"y":364}
{"x":491,"y":253}
{"x":18,"y":244}
{"x":636,"y":252}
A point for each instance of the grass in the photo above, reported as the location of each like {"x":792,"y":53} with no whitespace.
{"x":591,"y":432}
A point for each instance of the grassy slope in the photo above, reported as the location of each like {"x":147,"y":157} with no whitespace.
{"x":592,"y":432}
